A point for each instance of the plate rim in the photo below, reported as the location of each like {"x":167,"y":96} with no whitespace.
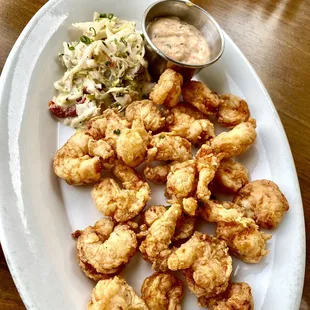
{"x":9,"y":66}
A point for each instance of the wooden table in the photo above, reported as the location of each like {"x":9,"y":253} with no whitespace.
{"x":274,"y":36}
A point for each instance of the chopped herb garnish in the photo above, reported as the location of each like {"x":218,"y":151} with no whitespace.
{"x":169,"y":45}
{"x":86,"y":40}
{"x":60,"y":55}
{"x":71,"y":48}
{"x":110,"y":16}
{"x":105,"y":44}
{"x":169,"y":206}
{"x":142,"y":36}
{"x":123,"y":40}
{"x":107,"y":63}
{"x":127,"y":53}
{"x":117,"y":132}
{"x":93,"y":30}
{"x":115,"y":41}
{"x":161,"y":137}
{"x":103,"y":15}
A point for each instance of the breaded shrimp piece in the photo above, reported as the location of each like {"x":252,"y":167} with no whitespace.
{"x":162,"y":291}
{"x":181,"y":180}
{"x":155,"y":247}
{"x":244,"y":239}
{"x":263,"y":201}
{"x":115,"y":294}
{"x":207,"y":164}
{"x":157,"y":174}
{"x":105,"y":248}
{"x":205,"y":263}
{"x":148,"y":111}
{"x":121,"y":204}
{"x":73,"y":164}
{"x":184,"y":227}
{"x":190,"y":206}
{"x":231,"y":175}
{"x":168,"y":147}
{"x":167,"y":91}
{"x":237,"y":296}
{"x":232,"y":111}
{"x":215,"y":211}
{"x":107,"y":125}
{"x":200,"y":96}
{"x":100,"y":148}
{"x":236,"y":141}
{"x":189,"y":123}
{"x":131,"y":145}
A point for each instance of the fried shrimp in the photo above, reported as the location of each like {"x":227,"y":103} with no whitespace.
{"x":168,"y":147}
{"x":107,"y":125}
{"x":104,"y":249}
{"x":115,"y":294}
{"x":237,"y":296}
{"x":214,"y":211}
{"x":205,"y":263}
{"x":244,"y":239}
{"x":131,"y":145}
{"x":121,"y":204}
{"x":157,"y":174}
{"x":231,"y":175}
{"x":155,"y":247}
{"x":148,"y":111}
{"x":241,"y":234}
{"x":263,"y":201}
{"x":73,"y":163}
{"x":162,"y":291}
{"x":207,"y":164}
{"x":181,"y":180}
{"x":184,"y":227}
{"x":189,"y":123}
{"x":232,"y":111}
{"x":167,"y":91}
{"x":201,"y":97}
{"x":234,"y":142}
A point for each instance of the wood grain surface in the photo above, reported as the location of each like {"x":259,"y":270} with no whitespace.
{"x":273,"y":35}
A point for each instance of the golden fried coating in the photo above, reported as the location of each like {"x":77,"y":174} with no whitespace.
{"x":168,"y":147}
{"x":157,"y":174}
{"x":107,"y":125}
{"x":236,"y":141}
{"x":181,"y":180}
{"x":155,"y":247}
{"x":244,"y":239}
{"x":100,"y":148}
{"x":207,"y":164}
{"x":238,"y":296}
{"x":167,"y":91}
{"x":73,"y":164}
{"x":148,"y":111}
{"x":214,"y":211}
{"x":131,"y":145}
{"x":263,"y":201}
{"x":231,"y":175}
{"x":121,"y":204}
{"x":184,"y":227}
{"x":115,"y":294}
{"x":190,"y":206}
{"x":200,"y":96}
{"x":189,"y":123}
{"x":232,"y":111}
{"x":205,"y":263}
{"x":162,"y":291}
{"x":104,"y":249}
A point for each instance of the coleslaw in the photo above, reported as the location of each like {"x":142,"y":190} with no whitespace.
{"x":106,"y":68}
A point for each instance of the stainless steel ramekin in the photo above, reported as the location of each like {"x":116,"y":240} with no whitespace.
{"x":191,"y":14}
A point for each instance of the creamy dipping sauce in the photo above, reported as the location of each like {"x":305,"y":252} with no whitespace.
{"x":179,"y":41}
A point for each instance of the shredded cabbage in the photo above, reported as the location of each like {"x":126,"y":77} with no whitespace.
{"x":106,"y":68}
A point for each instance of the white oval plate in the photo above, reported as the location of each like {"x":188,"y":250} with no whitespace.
{"x":38,"y":211}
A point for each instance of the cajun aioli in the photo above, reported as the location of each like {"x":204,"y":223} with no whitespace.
{"x":179,"y":41}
